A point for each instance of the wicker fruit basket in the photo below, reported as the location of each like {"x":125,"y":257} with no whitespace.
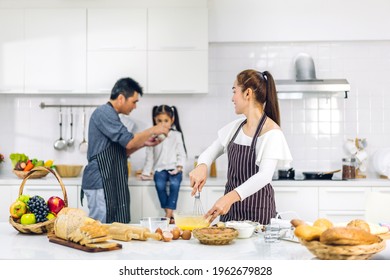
{"x":43,"y":227}
{"x":215,"y":235}
{"x":343,"y":252}
{"x":35,"y":175}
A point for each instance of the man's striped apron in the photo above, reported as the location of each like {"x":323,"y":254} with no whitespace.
{"x":112,"y":164}
{"x":260,"y":206}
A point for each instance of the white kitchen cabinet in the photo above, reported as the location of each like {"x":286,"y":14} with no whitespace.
{"x":150,"y":204}
{"x":171,"y":72}
{"x":185,"y":202}
{"x":116,"y":47}
{"x":11,"y":51}
{"x":177,"y":28}
{"x":177,"y":51}
{"x":136,"y":194}
{"x":117,"y":29}
{"x":342,"y":204}
{"x":55,"y":54}
{"x":106,"y":67}
{"x":301,"y":200}
{"x":6,"y":199}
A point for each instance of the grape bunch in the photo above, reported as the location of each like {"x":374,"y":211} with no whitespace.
{"x":39,"y":208}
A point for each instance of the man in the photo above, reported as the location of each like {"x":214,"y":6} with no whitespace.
{"x":105,"y":178}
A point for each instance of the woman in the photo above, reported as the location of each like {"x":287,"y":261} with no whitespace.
{"x":255,"y":146}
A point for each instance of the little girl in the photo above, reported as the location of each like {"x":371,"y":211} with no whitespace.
{"x":166,"y":159}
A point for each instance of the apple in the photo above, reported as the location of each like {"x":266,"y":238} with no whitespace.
{"x":50,"y":216}
{"x":17,"y":209}
{"x":55,"y":204}
{"x":28,"y":219}
{"x":24,"y":198}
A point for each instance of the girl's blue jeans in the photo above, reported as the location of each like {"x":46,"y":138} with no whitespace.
{"x":168,"y":199}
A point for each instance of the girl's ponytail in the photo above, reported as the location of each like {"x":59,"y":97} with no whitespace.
{"x":176,"y":123}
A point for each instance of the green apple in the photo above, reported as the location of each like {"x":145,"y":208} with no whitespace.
{"x":28,"y":219}
{"x":50,"y":216}
{"x":18,"y":209}
{"x":24,"y":198}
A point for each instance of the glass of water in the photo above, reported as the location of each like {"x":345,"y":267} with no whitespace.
{"x":272,"y":233}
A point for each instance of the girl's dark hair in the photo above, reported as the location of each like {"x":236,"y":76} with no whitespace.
{"x":172,"y":112}
{"x":126,"y":87}
{"x":263,"y":85}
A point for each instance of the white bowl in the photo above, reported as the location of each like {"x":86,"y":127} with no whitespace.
{"x":152,"y":223}
{"x":245,"y":228}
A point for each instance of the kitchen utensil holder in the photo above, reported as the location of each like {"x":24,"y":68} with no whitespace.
{"x":43,"y":227}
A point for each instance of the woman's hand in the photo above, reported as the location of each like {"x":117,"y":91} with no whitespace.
{"x":222,"y":205}
{"x":198,"y":178}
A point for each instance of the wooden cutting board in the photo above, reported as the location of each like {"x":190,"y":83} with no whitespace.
{"x":55,"y":239}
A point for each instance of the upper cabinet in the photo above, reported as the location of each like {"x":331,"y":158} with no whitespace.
{"x":11,"y":51}
{"x":116,"y":47}
{"x":177,"y":50}
{"x":80,"y":50}
{"x":117,"y":29}
{"x":55,"y":54}
{"x":177,"y":29}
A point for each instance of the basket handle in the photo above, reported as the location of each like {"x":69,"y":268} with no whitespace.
{"x":43,"y":168}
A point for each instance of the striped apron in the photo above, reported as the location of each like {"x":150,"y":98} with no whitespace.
{"x":260,"y":206}
{"x":112,"y":164}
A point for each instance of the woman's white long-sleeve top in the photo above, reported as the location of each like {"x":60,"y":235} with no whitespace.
{"x":272,"y":151}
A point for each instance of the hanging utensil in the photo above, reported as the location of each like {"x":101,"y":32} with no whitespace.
{"x":60,"y":144}
{"x":84,"y":144}
{"x":70,"y":141}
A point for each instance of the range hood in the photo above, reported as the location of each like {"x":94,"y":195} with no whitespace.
{"x":307,"y":82}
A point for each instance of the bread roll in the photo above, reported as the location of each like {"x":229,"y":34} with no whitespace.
{"x":323,"y":223}
{"x":297,"y":222}
{"x":307,"y":232}
{"x":359,"y":224}
{"x":348,"y":236}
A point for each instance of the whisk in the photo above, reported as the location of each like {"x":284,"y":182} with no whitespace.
{"x":198,"y":208}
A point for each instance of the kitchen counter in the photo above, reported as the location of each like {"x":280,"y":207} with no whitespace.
{"x":11,"y":179}
{"x":17,"y":246}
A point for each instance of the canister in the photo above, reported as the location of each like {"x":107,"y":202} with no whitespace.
{"x":349,"y":168}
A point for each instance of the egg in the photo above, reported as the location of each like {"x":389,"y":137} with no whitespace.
{"x":175,"y":233}
{"x":186,"y":235}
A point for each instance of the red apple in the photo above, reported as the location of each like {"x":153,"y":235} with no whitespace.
{"x":55,"y":204}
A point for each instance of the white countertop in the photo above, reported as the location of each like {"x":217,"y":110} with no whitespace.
{"x":11,"y":179}
{"x":17,"y":246}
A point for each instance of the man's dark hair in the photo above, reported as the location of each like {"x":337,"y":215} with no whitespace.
{"x":126,"y":87}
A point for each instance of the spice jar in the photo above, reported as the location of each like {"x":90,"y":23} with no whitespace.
{"x":213,"y":170}
{"x":349,"y":168}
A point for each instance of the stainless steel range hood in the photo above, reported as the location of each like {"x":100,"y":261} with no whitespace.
{"x":306,"y":81}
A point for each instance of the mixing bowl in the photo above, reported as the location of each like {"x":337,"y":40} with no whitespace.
{"x":245,"y":228}
{"x":152,"y":223}
{"x":189,"y":221}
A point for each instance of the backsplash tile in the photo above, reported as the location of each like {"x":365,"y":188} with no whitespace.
{"x":315,"y":127}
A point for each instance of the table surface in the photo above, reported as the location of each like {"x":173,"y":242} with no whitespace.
{"x":15,"y":245}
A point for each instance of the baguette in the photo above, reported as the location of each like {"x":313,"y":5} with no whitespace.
{"x":348,"y":236}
